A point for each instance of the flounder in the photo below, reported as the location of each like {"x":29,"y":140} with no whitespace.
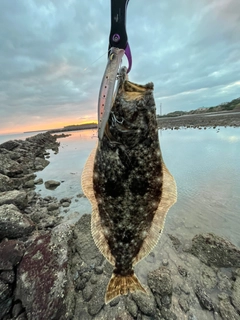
{"x":128,"y":185}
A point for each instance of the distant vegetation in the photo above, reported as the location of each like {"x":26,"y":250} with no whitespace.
{"x":81,"y":126}
{"x":72,"y":127}
{"x":234,"y":105}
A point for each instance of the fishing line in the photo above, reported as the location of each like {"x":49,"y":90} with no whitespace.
{"x":95,"y":61}
{"x":90,"y":65}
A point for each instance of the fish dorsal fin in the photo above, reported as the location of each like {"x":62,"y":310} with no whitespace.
{"x":168,"y":198}
{"x":96,"y":227}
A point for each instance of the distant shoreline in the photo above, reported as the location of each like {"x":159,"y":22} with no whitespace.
{"x":213,"y":119}
{"x":67,"y":128}
{"x":204,"y":120}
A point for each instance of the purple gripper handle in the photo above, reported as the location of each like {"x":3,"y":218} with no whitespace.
{"x":116,"y":38}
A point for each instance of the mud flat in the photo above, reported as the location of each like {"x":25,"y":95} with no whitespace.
{"x":51,"y":269}
{"x":201,"y":121}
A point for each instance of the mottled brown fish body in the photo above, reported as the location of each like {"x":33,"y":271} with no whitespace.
{"x":128,"y":185}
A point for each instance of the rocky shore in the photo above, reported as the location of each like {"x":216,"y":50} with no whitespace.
{"x":201,"y":121}
{"x":51,"y":269}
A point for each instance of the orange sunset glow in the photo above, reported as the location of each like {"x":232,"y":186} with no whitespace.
{"x":47,"y":125}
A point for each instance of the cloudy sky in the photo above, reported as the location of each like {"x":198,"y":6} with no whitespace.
{"x":49,"y":75}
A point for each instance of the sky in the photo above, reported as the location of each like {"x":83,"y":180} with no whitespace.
{"x":53,"y":54}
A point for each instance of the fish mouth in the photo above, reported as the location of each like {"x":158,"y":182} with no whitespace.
{"x":106,"y":98}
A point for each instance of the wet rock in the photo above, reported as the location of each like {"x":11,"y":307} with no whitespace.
{"x":236,"y":295}
{"x":160,"y":281}
{"x":146,"y":303}
{"x":11,"y":252}
{"x":22,"y":316}
{"x":19,"y":198}
{"x":81,"y":312}
{"x":131,"y":307}
{"x":29,"y":184}
{"x":65,"y":204}
{"x":99,"y":270}
{"x":192,"y":317}
{"x":215,"y":251}
{"x":53,"y":206}
{"x":204,"y":300}
{"x":52,"y":184}
{"x":165,"y":262}
{"x":227,"y":311}
{"x":9,"y":145}
{"x":182,"y":271}
{"x":208,"y":278}
{"x":65,"y":200}
{"x":81,"y":283}
{"x":13,"y":224}
{"x":5,"y":291}
{"x":224,"y":283}
{"x":17,"y":309}
{"x":175,"y":241}
{"x":185,"y":288}
{"x":168,"y":314}
{"x":40,"y":163}
{"x":87,"y":292}
{"x":222,"y":296}
{"x":7,"y":276}
{"x":5,"y":299}
{"x":84,"y":243}
{"x":6,"y":183}
{"x":115,"y":302}
{"x":8,"y":166}
{"x":38,"y":181}
{"x":97,"y":301}
{"x":42,"y":282}
{"x":183,"y":302}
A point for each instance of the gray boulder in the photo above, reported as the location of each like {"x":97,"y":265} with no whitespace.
{"x":13,"y":224}
{"x":40,"y":163}
{"x":51,"y":184}
{"x":43,"y":285}
{"x":8,"y":166}
{"x":6,"y":184}
{"x":227,"y":310}
{"x":11,"y":252}
{"x":160,"y":281}
{"x":19,"y":198}
{"x":145,"y":302}
{"x":9,"y":145}
{"x":215,"y":251}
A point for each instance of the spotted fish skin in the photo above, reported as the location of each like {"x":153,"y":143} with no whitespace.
{"x":128,"y":185}
{"x":128,"y":177}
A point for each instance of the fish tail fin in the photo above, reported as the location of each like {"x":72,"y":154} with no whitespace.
{"x":122,"y":285}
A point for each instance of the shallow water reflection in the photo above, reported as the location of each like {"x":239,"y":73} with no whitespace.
{"x":205,"y":164}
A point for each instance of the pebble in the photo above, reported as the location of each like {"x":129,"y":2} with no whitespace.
{"x":99,"y":270}
{"x":65,"y":204}
{"x":165,"y":262}
{"x":87,"y":292}
{"x":115,"y":302}
{"x":53,"y":206}
{"x":184,"y":304}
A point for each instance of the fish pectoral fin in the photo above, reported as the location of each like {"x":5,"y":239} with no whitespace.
{"x":122,"y":285}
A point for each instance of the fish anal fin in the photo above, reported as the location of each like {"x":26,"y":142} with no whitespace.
{"x":96,"y":227}
{"x":168,"y":198}
{"x":122,"y":285}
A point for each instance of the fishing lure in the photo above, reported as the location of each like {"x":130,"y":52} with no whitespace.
{"x":118,"y":46}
